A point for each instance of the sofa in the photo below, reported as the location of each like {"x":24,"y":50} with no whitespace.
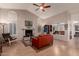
{"x":42,"y":40}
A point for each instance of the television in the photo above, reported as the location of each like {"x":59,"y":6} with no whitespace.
{"x":28,"y":23}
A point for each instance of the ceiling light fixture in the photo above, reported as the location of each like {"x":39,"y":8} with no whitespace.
{"x":43,"y":6}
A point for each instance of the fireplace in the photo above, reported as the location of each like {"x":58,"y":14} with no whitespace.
{"x":28,"y":33}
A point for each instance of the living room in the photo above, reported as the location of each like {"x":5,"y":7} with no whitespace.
{"x":50,"y":30}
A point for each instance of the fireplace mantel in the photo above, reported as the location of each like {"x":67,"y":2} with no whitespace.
{"x":28,"y":28}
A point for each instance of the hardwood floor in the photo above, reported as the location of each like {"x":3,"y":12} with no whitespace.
{"x":60,"y":48}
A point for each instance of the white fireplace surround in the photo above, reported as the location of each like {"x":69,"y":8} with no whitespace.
{"x":27,"y":28}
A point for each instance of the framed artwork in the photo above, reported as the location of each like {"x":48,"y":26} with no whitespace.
{"x":66,"y":26}
{"x":53,"y":28}
{"x":76,"y":27}
{"x":50,"y":28}
{"x":46,"y":28}
{"x":28,"y":23}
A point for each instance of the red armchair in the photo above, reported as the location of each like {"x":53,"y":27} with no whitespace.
{"x":42,"y":41}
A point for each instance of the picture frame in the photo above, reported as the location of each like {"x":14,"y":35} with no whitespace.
{"x":66,"y":26}
{"x":76,"y":27}
{"x":28,"y":23}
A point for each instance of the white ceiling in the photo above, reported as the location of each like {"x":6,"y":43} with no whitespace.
{"x":55,"y":8}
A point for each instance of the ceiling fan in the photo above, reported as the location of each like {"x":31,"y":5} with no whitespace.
{"x":42,"y":7}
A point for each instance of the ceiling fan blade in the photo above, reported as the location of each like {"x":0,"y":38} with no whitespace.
{"x":43,"y":10}
{"x":42,"y":4}
{"x":47,"y":6}
{"x":36,"y":5}
{"x":37,"y":9}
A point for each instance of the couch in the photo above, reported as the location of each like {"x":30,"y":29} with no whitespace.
{"x":42,"y":40}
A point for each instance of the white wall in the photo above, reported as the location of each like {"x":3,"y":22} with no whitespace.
{"x":75,"y":21}
{"x":63,"y":17}
{"x":22,"y":15}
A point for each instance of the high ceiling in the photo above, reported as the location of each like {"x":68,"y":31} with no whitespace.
{"x":55,"y":8}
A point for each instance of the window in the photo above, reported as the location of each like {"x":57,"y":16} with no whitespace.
{"x":12,"y":28}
